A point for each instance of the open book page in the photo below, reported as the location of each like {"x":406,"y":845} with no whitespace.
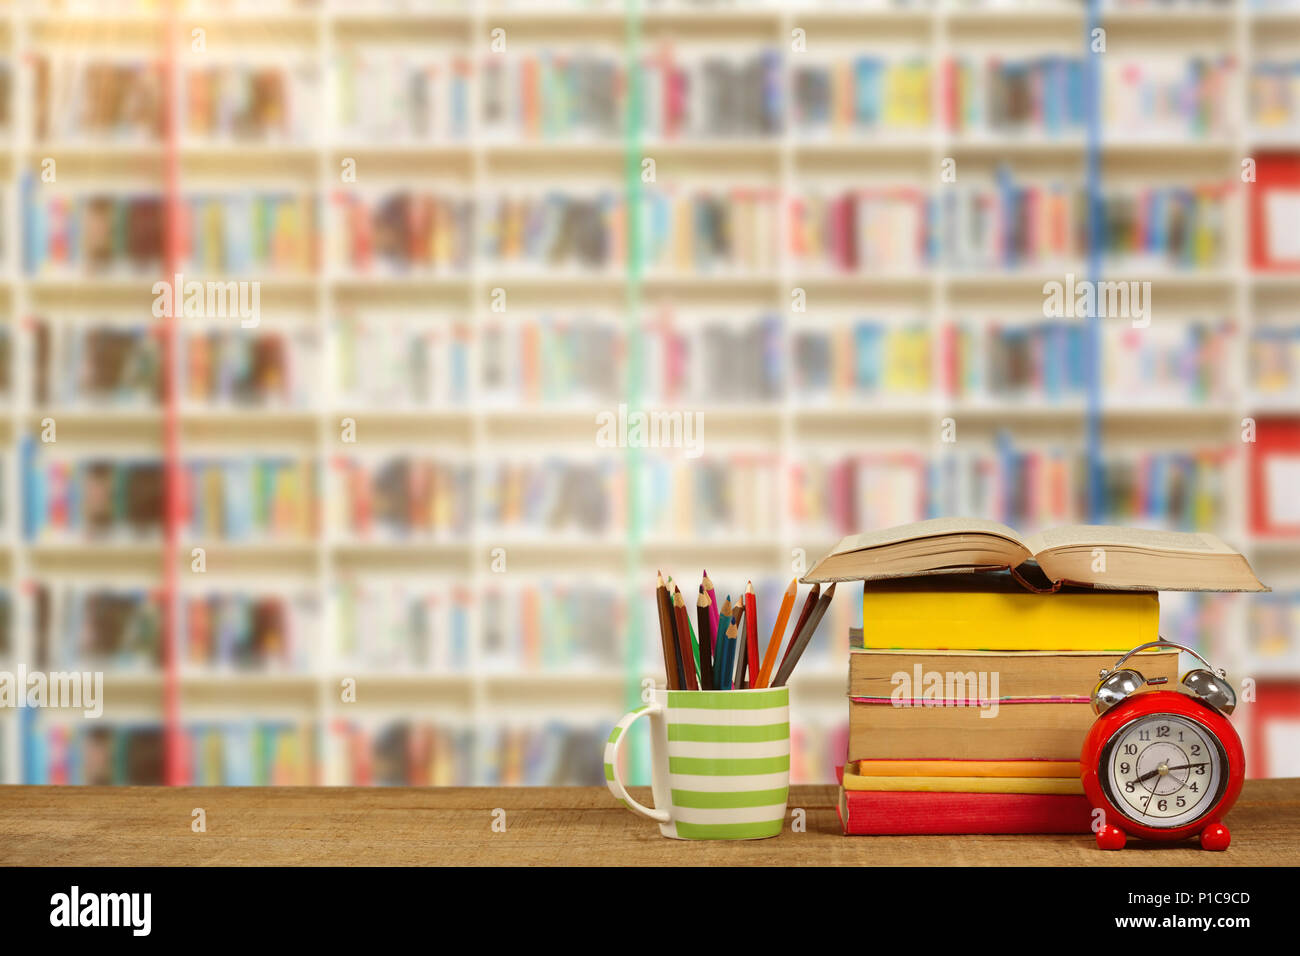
{"x":1108,"y":536}
{"x":934,"y":527}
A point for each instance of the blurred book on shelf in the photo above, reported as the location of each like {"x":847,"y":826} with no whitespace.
{"x":86,"y":233}
{"x":79,"y":233}
{"x":81,"y":626}
{"x":735,"y":497}
{"x":248,"y":630}
{"x":399,"y":94}
{"x":991,"y":361}
{"x":250,"y":499}
{"x":711,"y":94}
{"x":1171,"y":98}
{"x":263,"y":368}
{"x":862,"y":95}
{"x":413,"y":625}
{"x":1275,"y":98}
{"x":1027,"y":488}
{"x":861,"y":230}
{"x":245,"y":102}
{"x":1001,"y":96}
{"x":835,"y":362}
{"x":388,"y":361}
{"x":573,"y":359}
{"x":553,"y":498}
{"x":93,"y":754}
{"x":1274,"y":357}
{"x":553,"y":94}
{"x":6,"y":625}
{"x":556,"y":626}
{"x":85,"y":497}
{"x":400,"y":497}
{"x":86,"y":96}
{"x":398,"y":753}
{"x":239,"y":752}
{"x":89,"y":363}
{"x":403,"y":233}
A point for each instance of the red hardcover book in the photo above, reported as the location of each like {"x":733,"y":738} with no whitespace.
{"x":900,"y":813}
{"x":1273,"y":458}
{"x":1269,"y":202}
{"x":1273,"y":731}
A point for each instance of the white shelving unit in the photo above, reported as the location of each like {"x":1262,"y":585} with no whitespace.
{"x":481,"y":698}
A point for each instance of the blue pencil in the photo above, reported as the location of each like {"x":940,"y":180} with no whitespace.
{"x":720,"y":682}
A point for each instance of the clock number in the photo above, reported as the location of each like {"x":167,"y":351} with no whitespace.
{"x":1123,"y":768}
{"x":1181,"y":802}
{"x":1144,"y":735}
{"x":1162,"y":730}
{"x":1162,"y":806}
{"x":1129,"y":786}
{"x":1130,"y":749}
{"x":1196,"y":750}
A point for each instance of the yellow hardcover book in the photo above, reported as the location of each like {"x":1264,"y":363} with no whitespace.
{"x":965,"y":784}
{"x":915,"y":617}
{"x":964,"y":768}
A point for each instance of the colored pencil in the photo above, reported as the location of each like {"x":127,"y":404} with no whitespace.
{"x":778,"y":633}
{"x":713,"y":611}
{"x":731,"y":643}
{"x":724,"y":622}
{"x":667,"y":635}
{"x":809,"y":605}
{"x":702,"y":606}
{"x":672,"y":625}
{"x":695,"y":647}
{"x":801,"y":640}
{"x":738,"y":681}
{"x":751,"y":632}
{"x":684,"y":641}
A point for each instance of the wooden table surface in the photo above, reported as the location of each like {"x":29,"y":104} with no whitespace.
{"x":87,"y":826}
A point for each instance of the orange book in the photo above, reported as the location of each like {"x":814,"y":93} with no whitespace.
{"x":966,"y":768}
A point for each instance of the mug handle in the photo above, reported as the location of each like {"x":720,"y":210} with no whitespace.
{"x":612,"y":747}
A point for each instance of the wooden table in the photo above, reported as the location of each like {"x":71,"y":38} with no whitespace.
{"x":85,"y":826}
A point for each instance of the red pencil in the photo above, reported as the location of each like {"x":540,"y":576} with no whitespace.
{"x":684,"y":642}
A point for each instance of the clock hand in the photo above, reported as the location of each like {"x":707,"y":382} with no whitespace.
{"x":1182,"y":766}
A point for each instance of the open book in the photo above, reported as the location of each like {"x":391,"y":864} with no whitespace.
{"x":1096,"y":556}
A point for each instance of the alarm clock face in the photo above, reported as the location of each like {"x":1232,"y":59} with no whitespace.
{"x":1163,"y":770}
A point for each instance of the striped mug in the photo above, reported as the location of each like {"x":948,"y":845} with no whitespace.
{"x":720,"y":762}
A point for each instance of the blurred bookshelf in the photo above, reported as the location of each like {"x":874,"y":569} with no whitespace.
{"x":450,"y":292}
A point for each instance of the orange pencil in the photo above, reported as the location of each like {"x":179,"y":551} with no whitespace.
{"x":809,"y":603}
{"x":778,"y":633}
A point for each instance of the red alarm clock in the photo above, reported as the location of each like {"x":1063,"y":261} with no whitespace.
{"x":1162,"y":765}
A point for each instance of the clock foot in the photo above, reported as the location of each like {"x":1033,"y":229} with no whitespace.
{"x":1215,"y":837}
{"x":1111,"y":837}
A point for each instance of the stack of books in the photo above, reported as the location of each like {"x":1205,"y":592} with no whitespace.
{"x":970,"y":693}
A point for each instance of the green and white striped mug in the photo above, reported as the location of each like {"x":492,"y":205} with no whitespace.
{"x":720,"y":762}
